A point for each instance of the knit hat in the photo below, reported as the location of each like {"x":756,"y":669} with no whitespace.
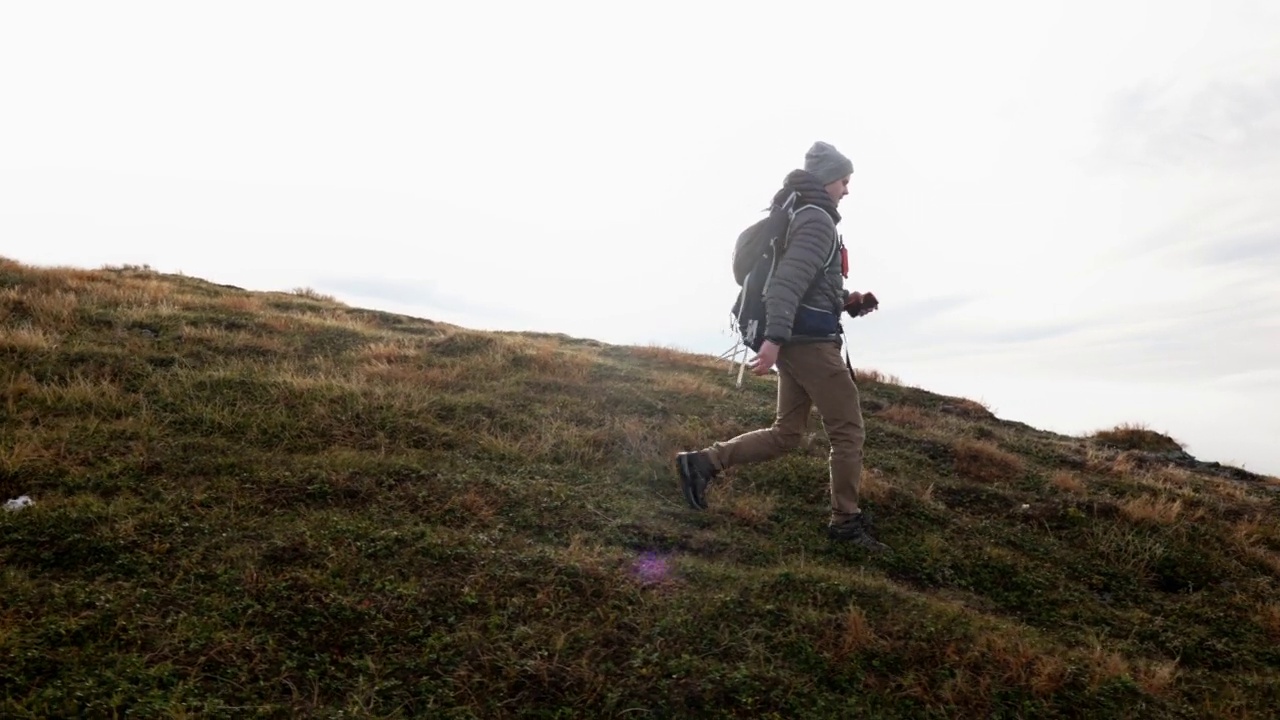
{"x":826,"y":163}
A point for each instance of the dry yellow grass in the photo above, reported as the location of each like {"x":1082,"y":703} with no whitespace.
{"x":27,"y":338}
{"x":1105,"y":665}
{"x":1136,"y":436}
{"x":967,"y":408}
{"x":22,"y":451}
{"x":677,"y":356}
{"x":983,"y":461}
{"x":873,"y":486}
{"x":925,"y":496}
{"x":691,"y":385}
{"x":641,"y":438}
{"x":1127,"y":463}
{"x":1266,"y":557}
{"x":79,"y":391}
{"x":312,"y":294}
{"x":1155,"y":509}
{"x":1157,"y":678}
{"x":1023,"y":664}
{"x":49,"y":309}
{"x":857,"y":632}
{"x":1254,"y":536}
{"x":752,"y":508}
{"x":1268,"y":618}
{"x":1068,"y":482}
{"x":17,"y":386}
{"x":476,"y":505}
{"x":239,"y":303}
{"x":1164,"y":481}
{"x":133,"y":292}
{"x":1129,"y":549}
{"x":906,"y":415}
{"x":384,"y":352}
{"x":875,"y":376}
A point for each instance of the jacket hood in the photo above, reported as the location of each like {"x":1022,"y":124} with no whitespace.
{"x":811,"y":192}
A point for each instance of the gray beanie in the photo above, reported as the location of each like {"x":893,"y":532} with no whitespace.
{"x":826,"y":163}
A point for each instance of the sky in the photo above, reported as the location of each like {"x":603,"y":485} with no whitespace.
{"x":1068,"y":210}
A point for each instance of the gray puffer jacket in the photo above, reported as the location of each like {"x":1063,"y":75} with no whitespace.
{"x":806,"y":293}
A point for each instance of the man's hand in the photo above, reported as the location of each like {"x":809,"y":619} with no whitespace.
{"x":860,"y":304}
{"x":765,"y":359}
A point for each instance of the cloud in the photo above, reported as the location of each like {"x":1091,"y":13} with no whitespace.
{"x":1216,"y":126}
{"x":1251,"y":249}
{"x":423,"y":300}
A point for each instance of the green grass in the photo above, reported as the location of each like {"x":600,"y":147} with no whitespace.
{"x":273,"y":505}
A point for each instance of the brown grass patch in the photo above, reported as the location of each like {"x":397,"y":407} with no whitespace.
{"x":1126,"y":549}
{"x":966,"y":408}
{"x":1249,"y":531}
{"x":1105,"y":665}
{"x":873,"y":485}
{"x":26,"y":337}
{"x":488,"y":355}
{"x":752,"y":508}
{"x":312,"y":294}
{"x":875,"y":376}
{"x":925,"y":496}
{"x":280,"y":322}
{"x":1266,"y":557}
{"x":906,"y":415}
{"x":1268,"y":618}
{"x":1155,"y":509}
{"x":857,"y":633}
{"x":1136,"y":436}
{"x":1253,"y":536}
{"x":677,"y":356}
{"x":1174,"y":482}
{"x":982,"y":461}
{"x":387,"y":352}
{"x":18,"y":453}
{"x":133,"y":292}
{"x":639,"y":437}
{"x":1232,"y":491}
{"x":239,"y":303}
{"x":46,"y":309}
{"x":563,"y":442}
{"x":474,"y":505}
{"x":1126,"y":463}
{"x":213,"y":335}
{"x":1021,"y":664}
{"x":1068,"y":482}
{"x":1157,"y":678}
{"x":18,"y":386}
{"x":689,"y":385}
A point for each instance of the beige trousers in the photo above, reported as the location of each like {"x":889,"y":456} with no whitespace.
{"x":809,"y":374}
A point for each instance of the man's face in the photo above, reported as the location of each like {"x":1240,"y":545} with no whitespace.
{"x":838,"y":189}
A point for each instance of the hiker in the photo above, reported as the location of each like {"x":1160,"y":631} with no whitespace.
{"x":803,"y":301}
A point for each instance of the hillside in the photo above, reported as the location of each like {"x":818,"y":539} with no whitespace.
{"x":275,"y":505}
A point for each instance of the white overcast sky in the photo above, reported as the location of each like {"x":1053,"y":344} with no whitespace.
{"x":1070,"y":210}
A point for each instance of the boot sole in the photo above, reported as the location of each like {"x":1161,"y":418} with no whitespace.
{"x":686,"y":483}
{"x":876,"y":548}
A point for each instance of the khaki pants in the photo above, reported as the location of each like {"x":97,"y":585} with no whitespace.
{"x":809,"y":374}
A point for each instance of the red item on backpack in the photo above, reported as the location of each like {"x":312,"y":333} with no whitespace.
{"x":844,"y":261}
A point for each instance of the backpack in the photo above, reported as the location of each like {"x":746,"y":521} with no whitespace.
{"x":755,"y":257}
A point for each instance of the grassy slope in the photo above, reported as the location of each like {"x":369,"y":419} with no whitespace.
{"x":274,"y":504}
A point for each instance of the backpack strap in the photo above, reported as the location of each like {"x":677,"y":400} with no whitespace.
{"x":834,"y":244}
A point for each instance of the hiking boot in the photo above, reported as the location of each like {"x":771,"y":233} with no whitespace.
{"x":696,"y":471}
{"x":856,"y":530}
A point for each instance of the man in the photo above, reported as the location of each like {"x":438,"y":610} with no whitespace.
{"x":803,"y":303}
